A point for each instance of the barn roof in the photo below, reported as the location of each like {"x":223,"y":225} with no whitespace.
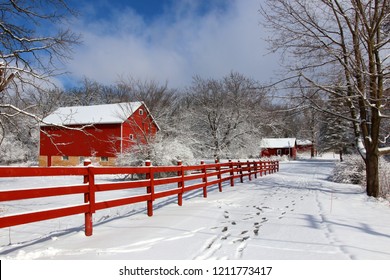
{"x":277,"y":142}
{"x":95,"y":114}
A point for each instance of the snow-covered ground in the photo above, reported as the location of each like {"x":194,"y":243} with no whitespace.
{"x":294,"y":214}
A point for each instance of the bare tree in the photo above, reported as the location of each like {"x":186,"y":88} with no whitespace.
{"x":222,"y":113}
{"x":340,"y":50}
{"x":32,"y":47}
{"x":161,"y":100}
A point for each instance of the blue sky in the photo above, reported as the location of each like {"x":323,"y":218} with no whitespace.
{"x":169,"y":40}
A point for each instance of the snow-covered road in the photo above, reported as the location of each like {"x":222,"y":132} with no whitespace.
{"x":294,"y":214}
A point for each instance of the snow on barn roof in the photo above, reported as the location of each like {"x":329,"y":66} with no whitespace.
{"x":95,"y":114}
{"x":277,"y":142}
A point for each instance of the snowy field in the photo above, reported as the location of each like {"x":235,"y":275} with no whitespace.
{"x":296,"y":214}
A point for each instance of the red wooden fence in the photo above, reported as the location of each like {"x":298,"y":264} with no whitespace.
{"x":201,"y":177}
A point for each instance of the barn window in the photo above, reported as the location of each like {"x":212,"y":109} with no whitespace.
{"x":131,"y":137}
{"x":65,"y":158}
{"x":105,"y":159}
{"x":141,"y":112}
{"x":279,"y":152}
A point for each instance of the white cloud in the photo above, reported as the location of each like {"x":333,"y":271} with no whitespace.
{"x":176,"y":46}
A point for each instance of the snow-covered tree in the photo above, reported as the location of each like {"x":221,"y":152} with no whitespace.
{"x":29,"y":54}
{"x":335,"y":132}
{"x":221,"y":114}
{"x":13,"y":150}
{"x":161,"y":151}
{"x":339,"y":50}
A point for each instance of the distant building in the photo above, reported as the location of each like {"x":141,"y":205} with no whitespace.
{"x":101,"y":132}
{"x":278,"y":147}
{"x":304,"y":145}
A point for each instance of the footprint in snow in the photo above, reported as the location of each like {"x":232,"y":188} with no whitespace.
{"x":225,"y":236}
{"x":256,"y":226}
{"x":282,"y":216}
{"x":241,"y":239}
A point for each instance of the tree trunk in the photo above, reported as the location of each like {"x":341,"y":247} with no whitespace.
{"x":312,"y":150}
{"x":372,"y":172}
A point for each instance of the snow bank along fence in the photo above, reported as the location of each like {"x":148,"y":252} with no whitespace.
{"x":182,"y":178}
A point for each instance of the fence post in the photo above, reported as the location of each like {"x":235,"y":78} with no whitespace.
{"x":231,"y":173}
{"x":218,"y":169}
{"x":261,"y":168}
{"x":86,"y":163}
{"x":204,"y":179}
{"x":89,"y":197}
{"x":240,"y":170}
{"x":150,"y":189}
{"x":255,"y":168}
{"x":180,"y":184}
{"x":249,"y":170}
{"x":277,"y":166}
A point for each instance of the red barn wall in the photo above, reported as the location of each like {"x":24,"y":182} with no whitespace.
{"x":292,"y":152}
{"x":100,"y":140}
{"x":140,"y":126}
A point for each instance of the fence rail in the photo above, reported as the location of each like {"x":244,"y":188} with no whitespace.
{"x":187,"y":178}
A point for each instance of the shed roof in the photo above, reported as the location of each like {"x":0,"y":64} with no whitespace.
{"x":95,"y":114}
{"x":304,"y":142}
{"x":278,"y":142}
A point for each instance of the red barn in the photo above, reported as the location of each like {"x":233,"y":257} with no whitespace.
{"x":278,"y":147}
{"x":100,"y":132}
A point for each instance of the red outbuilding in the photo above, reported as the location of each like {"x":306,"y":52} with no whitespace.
{"x":306,"y":146}
{"x":278,"y":147}
{"x":99,"y":132}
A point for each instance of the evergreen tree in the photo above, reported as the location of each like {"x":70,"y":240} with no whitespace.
{"x":335,"y":132}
